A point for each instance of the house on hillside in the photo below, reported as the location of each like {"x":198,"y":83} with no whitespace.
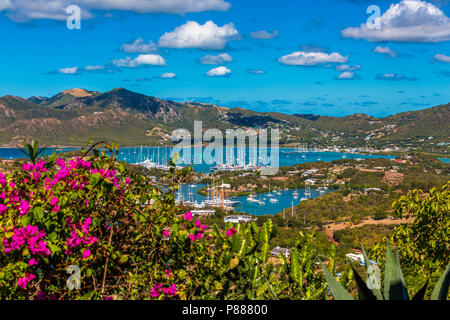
{"x":279,"y":250}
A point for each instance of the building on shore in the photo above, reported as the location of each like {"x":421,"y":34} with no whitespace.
{"x":238,"y":219}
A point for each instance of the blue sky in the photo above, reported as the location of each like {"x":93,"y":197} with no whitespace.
{"x":289,"y":56}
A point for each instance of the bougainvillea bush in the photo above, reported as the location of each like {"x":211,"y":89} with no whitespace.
{"x":88,"y":218}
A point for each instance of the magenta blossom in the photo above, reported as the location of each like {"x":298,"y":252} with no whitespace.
{"x":54,"y":201}
{"x":166,"y":233}
{"x":171,"y":291}
{"x":188,"y":216}
{"x":86,"y":254}
{"x":23,"y":282}
{"x":231,"y":232}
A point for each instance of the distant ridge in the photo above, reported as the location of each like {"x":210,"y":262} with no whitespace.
{"x":75,"y":116}
{"x":312,"y":117}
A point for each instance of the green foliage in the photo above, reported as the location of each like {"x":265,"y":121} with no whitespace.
{"x":31,"y":150}
{"x":394,"y":283}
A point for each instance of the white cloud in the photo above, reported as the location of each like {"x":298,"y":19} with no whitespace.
{"x":394,"y":77}
{"x":140,"y":61}
{"x":72,"y":70}
{"x":139,"y":46}
{"x":256,"y":71}
{"x":208,"y":36}
{"x":302,"y":58}
{"x":168,"y":75}
{"x":346,"y":67}
{"x":219,"y":59}
{"x":346,"y":75}
{"x":386,"y":51}
{"x":442,"y":58}
{"x":94,"y":68}
{"x":264,"y":35}
{"x":218,"y":72}
{"x":25,"y":10}
{"x":406,"y":21}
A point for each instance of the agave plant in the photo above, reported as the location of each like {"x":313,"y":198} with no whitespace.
{"x":31,"y":150}
{"x":394,"y":283}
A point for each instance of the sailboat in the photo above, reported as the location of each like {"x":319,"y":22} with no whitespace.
{"x":269,"y":194}
{"x":295,"y":193}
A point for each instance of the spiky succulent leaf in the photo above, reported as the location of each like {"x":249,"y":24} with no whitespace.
{"x":376,"y":292}
{"x":397,"y":286}
{"x":338,"y":291}
{"x":420,"y":295}
{"x":363,"y":291}
{"x":440,"y":291}
{"x":389,"y":267}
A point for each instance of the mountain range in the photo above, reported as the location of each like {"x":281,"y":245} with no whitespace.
{"x":73,"y":117}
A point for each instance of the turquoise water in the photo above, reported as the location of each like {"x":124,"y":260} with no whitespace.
{"x":285,"y":200}
{"x":445,"y":160}
{"x":161,"y":155}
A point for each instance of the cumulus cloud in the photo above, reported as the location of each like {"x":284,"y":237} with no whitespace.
{"x":25,"y":10}
{"x":346,"y":75}
{"x":168,"y":75}
{"x":394,"y":77}
{"x":219,"y":59}
{"x":218,"y":72}
{"x":253,"y":71}
{"x":139,"y":46}
{"x":264,"y":35}
{"x":71,"y":70}
{"x":140,"y":61}
{"x":302,"y":58}
{"x":208,"y":36}
{"x":346,"y":67}
{"x":386,"y":51}
{"x":94,"y":68}
{"x":441,"y":58}
{"x":406,"y":21}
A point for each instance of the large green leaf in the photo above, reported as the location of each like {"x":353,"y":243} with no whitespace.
{"x":338,"y":291}
{"x":397,"y":286}
{"x":363,"y":291}
{"x":376,"y":292}
{"x":389,"y":267}
{"x":441,"y":289}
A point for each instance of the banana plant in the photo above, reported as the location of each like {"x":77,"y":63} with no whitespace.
{"x":394,"y":283}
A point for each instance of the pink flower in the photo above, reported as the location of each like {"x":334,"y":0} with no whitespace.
{"x":54,"y":201}
{"x":86,"y":202}
{"x":188,"y":216}
{"x":198,"y":224}
{"x":27,"y":167}
{"x":192,"y":237}
{"x":171,"y":291}
{"x":3,"y":208}
{"x":231,"y":232}
{"x":23,"y":282}
{"x":155,"y":293}
{"x":60,"y":162}
{"x":86,"y":253}
{"x":166,"y":233}
{"x":32,"y":262}
{"x":127,"y":180}
{"x":168,"y":273}
{"x":24,"y":207}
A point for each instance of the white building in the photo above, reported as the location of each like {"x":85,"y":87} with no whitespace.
{"x":238,"y":219}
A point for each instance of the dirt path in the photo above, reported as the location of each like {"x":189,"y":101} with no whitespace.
{"x":332,"y":227}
